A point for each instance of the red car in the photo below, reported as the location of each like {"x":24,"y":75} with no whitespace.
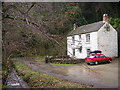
{"x":97,"y":58}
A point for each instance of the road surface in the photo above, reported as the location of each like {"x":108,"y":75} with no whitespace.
{"x":100,"y":76}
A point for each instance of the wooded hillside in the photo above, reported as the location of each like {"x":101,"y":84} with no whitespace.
{"x":41,"y":28}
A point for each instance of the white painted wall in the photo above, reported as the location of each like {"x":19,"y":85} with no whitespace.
{"x":77,"y":42}
{"x":84,"y":46}
{"x":94,"y":41}
{"x":103,"y":40}
{"x":108,"y":41}
{"x":92,"y":45}
{"x":78,"y":54}
{"x":69,"y":46}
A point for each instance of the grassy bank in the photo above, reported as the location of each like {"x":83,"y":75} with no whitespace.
{"x":41,"y":80}
{"x":1,"y":79}
{"x":60,"y":64}
{"x":40,"y":58}
{"x":6,"y":66}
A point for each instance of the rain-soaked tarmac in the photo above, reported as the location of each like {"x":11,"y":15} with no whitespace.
{"x":100,"y":76}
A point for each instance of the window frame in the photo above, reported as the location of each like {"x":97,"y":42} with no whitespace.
{"x":88,"y":52}
{"x":73,"y":52}
{"x":80,"y":38}
{"x":73,"y":39}
{"x":88,"y":38}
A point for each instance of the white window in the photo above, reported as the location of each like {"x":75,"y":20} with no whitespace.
{"x":73,"y":52}
{"x":73,"y":39}
{"x":79,"y":38}
{"x":80,"y":49}
{"x":87,"y":37}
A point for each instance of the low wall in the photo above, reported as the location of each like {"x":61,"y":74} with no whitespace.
{"x":63,"y":60}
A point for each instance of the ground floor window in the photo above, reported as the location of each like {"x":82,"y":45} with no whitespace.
{"x":73,"y":52}
{"x":88,"y":52}
{"x":80,"y":49}
{"x":87,"y":37}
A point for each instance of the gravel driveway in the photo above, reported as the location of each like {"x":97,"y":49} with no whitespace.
{"x":100,"y":76}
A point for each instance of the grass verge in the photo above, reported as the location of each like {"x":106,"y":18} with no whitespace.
{"x":40,"y":58}
{"x":0,"y":75}
{"x":60,"y":64}
{"x":6,"y":66}
{"x":41,"y":80}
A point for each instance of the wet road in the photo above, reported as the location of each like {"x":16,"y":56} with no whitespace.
{"x":100,"y":76}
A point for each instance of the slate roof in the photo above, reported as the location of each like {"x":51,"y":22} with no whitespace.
{"x":87,"y":28}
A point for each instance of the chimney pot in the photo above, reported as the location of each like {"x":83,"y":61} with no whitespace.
{"x":74,"y":27}
{"x":105,"y":18}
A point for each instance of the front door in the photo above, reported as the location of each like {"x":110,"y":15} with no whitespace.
{"x":73,"y":52}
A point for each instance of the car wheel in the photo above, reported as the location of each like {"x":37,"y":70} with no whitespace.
{"x":110,"y":60}
{"x":96,"y":62}
{"x":88,"y":63}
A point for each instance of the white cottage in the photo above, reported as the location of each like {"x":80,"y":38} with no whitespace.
{"x":96,"y":36}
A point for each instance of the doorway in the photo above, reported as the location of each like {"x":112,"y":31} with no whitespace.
{"x":73,"y":52}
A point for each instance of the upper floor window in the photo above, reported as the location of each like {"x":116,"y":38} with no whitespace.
{"x":87,"y":37}
{"x":79,"y":38}
{"x":73,"y":39}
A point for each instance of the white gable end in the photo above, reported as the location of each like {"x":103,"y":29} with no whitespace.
{"x":107,"y":40}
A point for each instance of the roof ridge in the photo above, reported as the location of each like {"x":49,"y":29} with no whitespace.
{"x":92,"y":27}
{"x":89,"y":24}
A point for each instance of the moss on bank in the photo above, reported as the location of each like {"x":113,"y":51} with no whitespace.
{"x":41,"y":80}
{"x":6,"y":66}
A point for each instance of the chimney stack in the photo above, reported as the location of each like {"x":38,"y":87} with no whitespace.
{"x":74,"y":27}
{"x":105,"y":18}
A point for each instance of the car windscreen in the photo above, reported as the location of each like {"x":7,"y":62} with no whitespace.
{"x":102,"y":56}
{"x":91,"y":56}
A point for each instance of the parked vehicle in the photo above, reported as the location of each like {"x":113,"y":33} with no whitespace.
{"x":97,"y":58}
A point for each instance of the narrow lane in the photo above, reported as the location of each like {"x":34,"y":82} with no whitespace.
{"x":100,"y":76}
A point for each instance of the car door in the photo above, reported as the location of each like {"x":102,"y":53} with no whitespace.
{"x":105,"y":58}
{"x":102,"y":58}
{"x":98,"y":58}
